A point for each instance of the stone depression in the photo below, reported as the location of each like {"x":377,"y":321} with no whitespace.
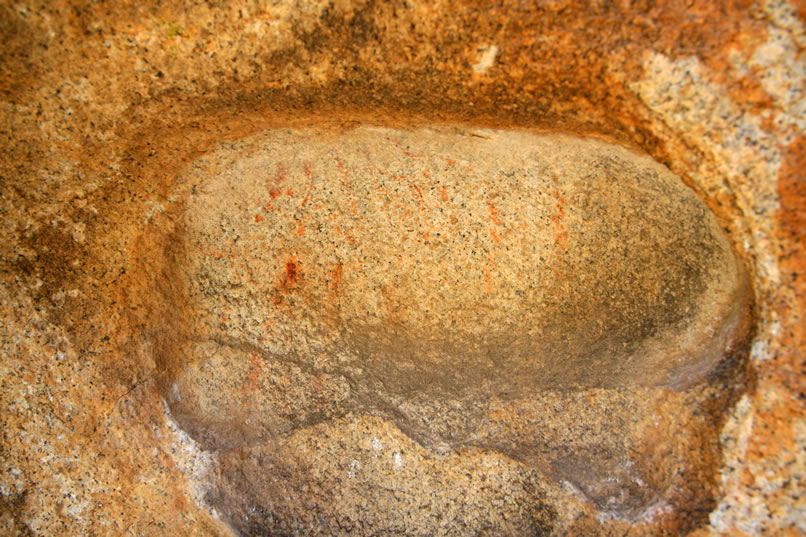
{"x":439,"y":280}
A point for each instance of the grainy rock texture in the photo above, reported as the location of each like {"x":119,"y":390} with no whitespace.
{"x":187,"y":349}
{"x":429,"y":276}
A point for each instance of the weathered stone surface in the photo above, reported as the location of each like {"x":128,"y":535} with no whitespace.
{"x":387,"y":268}
{"x":433,"y":261}
{"x":362,"y":475}
{"x":102,"y":107}
{"x":429,"y":276}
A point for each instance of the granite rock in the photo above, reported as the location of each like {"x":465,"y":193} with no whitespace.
{"x":428,"y":276}
{"x":106,"y":110}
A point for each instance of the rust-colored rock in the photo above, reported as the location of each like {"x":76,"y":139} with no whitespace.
{"x":105,"y":108}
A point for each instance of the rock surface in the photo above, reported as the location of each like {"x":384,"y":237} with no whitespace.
{"x":431,"y":277}
{"x":433,"y":262}
{"x":106,"y":108}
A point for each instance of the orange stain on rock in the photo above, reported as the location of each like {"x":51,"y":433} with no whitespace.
{"x":300,"y":228}
{"x":557,"y":220}
{"x":344,"y":172}
{"x":338,"y":230}
{"x":290,"y":273}
{"x":488,"y":279}
{"x":792,"y":230}
{"x":335,"y":278}
{"x":289,"y":279}
{"x":258,"y":219}
{"x":418,"y":194}
{"x":493,"y":212}
{"x":279,"y":176}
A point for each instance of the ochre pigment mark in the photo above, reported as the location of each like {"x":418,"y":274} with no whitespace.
{"x":339,"y":230}
{"x":558,"y":225}
{"x":418,"y":195}
{"x":300,"y":227}
{"x":493,"y":212}
{"x":280,"y":175}
{"x":344,"y":173}
{"x":488,"y":279}
{"x":289,"y":278}
{"x":335,"y":278}
{"x":290,"y":273}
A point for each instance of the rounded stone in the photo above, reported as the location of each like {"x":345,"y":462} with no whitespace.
{"x":455,"y":263}
{"x":437,"y":279}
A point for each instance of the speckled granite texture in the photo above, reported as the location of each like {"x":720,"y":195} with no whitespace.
{"x":106,"y":106}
